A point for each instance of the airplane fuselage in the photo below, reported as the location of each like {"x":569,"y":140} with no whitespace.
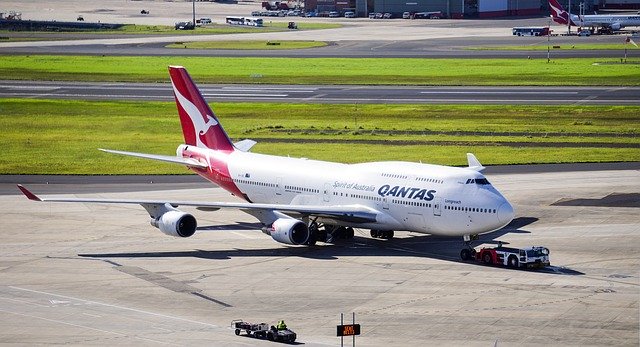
{"x":431,"y":199}
{"x":611,"y":21}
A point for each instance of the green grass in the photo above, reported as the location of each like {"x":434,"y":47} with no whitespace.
{"x":382,"y":71}
{"x":213,"y":29}
{"x":243,"y":45}
{"x":538,"y":46}
{"x":61,"y":137}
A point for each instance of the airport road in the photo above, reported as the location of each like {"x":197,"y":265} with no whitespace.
{"x":329,"y":94}
{"x":94,"y":274}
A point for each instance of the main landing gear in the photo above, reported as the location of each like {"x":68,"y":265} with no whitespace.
{"x":328,"y":233}
{"x":468,"y":252}
{"x":382,"y":234}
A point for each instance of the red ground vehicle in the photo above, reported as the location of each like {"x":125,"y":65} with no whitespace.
{"x":530,"y":257}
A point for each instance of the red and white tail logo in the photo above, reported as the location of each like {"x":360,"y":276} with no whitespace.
{"x":199,"y":125}
{"x":558,"y":13}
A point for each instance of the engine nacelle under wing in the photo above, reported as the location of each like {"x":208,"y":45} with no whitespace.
{"x":176,"y":223}
{"x":290,"y":231}
{"x":616,"y":26}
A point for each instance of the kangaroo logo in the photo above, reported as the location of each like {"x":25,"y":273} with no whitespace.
{"x":197,"y":119}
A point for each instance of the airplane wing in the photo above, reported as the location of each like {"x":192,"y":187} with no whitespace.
{"x":347,"y":213}
{"x":166,"y":158}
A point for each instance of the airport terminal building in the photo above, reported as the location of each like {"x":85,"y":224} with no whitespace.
{"x":449,"y":8}
{"x":463,"y":8}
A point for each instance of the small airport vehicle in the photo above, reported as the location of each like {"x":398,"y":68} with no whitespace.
{"x":144,"y":12}
{"x":263,"y":330}
{"x":185,"y":26}
{"x":292,"y":25}
{"x":80,"y":19}
{"x":584,"y":32}
{"x":530,"y":257}
{"x":349,"y":14}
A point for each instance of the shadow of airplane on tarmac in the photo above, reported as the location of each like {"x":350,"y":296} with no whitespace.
{"x":416,"y":245}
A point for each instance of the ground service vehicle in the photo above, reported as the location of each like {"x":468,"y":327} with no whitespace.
{"x":530,"y":31}
{"x":262,"y":331}
{"x":530,"y":257}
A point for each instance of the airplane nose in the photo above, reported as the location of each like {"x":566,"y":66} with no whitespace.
{"x":505,"y":213}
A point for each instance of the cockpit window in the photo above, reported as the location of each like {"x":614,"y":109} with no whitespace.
{"x":478,"y":181}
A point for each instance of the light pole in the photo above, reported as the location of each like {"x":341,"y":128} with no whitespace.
{"x":569,"y":19}
{"x":194,"y":12}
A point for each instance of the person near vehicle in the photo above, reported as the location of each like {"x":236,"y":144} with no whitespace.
{"x":281,"y":325}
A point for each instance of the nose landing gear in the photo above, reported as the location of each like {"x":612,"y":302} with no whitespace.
{"x":468,"y":252}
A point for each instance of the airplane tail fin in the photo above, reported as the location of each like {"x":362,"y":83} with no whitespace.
{"x":558,"y":14}
{"x":199,"y":125}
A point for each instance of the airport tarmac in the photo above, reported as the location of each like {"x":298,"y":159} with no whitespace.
{"x":85,"y":274}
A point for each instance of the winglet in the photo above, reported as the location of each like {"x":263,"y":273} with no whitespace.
{"x":474,"y":163}
{"x":28,"y":194}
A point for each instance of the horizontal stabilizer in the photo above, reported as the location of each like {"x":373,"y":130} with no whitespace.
{"x":166,"y":158}
{"x":244,"y":145}
{"x":474,"y":163}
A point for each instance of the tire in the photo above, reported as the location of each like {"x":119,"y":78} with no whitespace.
{"x":513,"y":261}
{"x":486,"y":258}
{"x":375,"y":233}
{"x":349,"y":233}
{"x":237,"y":331}
{"x":465,"y":254}
{"x":270,"y":336}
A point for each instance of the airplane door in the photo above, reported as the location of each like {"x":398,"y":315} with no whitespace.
{"x":437,"y":206}
{"x":279,"y":188}
{"x":326,"y":196}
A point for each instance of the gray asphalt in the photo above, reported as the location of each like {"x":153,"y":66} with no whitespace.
{"x":328,"y":94}
{"x":428,"y":48}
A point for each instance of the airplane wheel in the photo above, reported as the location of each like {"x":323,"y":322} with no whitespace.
{"x":237,"y":331}
{"x":465,"y":254}
{"x":375,"y":233}
{"x":350,"y":233}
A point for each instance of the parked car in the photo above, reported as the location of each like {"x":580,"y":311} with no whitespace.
{"x":387,"y":15}
{"x":334,"y":14}
{"x":185,"y":26}
{"x":349,"y":14}
{"x":584,"y":32}
{"x":406,"y":15}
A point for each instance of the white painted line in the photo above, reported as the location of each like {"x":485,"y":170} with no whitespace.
{"x":83,"y":326}
{"x":495,"y":92}
{"x":115,"y":306}
{"x":248,"y":95}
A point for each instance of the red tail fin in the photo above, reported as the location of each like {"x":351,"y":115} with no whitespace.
{"x":558,"y":13}
{"x":199,"y":125}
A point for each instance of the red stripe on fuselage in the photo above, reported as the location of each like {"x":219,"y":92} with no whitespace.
{"x":218,"y":168}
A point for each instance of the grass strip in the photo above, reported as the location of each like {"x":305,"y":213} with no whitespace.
{"x":61,"y":136}
{"x":245,"y":45}
{"x":363,"y":71}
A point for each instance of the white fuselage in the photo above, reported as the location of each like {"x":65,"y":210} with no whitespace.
{"x":609,"y":21}
{"x":423,"y":198}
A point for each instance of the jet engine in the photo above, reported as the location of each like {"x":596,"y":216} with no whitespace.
{"x":176,"y":223}
{"x":616,"y":26}
{"x":289,"y":231}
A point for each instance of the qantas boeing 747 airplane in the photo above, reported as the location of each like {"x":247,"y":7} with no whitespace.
{"x":301,"y":201}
